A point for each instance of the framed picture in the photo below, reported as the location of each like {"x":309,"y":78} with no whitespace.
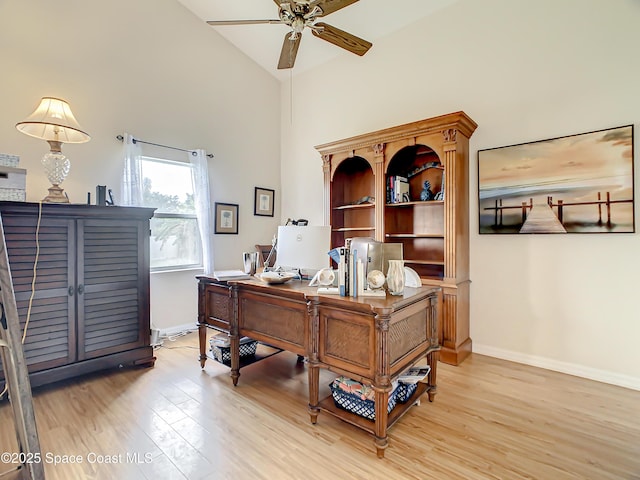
{"x":226,"y":218}
{"x":575,"y":184}
{"x":263,"y":202}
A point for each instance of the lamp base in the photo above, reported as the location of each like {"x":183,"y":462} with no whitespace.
{"x":55,"y":195}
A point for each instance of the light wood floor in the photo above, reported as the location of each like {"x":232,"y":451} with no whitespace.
{"x":491,"y":419}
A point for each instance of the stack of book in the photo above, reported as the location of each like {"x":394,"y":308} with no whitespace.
{"x":352,"y":281}
{"x":220,"y":340}
{"x":398,"y":189}
{"x":414,"y":374}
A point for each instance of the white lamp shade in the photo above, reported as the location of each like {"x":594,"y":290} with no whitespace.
{"x":53,"y":120}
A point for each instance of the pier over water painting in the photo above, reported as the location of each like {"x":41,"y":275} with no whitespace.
{"x":575,"y":184}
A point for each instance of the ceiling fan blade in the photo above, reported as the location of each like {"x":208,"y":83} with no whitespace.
{"x":330,"y":6}
{"x":289,"y":51}
{"x":216,"y":23}
{"x":341,"y":38}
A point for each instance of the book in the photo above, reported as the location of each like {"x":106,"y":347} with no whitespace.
{"x":347,"y":272}
{"x":401,"y":190}
{"x":221,"y":340}
{"x":414,"y":374}
{"x":225,"y":275}
{"x":440,"y":194}
{"x":353,"y":274}
{"x":342,"y":273}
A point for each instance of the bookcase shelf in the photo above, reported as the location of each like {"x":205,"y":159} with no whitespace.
{"x":424,"y":262}
{"x":354,"y":229}
{"x":350,"y":207}
{"x":418,"y":203}
{"x":414,"y":235}
{"x":433,"y":226}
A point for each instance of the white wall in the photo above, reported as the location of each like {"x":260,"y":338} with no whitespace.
{"x":523,"y":71}
{"x":150,"y":68}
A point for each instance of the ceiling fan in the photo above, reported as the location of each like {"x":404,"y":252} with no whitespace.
{"x":299,"y":14}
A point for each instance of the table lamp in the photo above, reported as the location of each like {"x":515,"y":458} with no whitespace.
{"x":54,"y":122}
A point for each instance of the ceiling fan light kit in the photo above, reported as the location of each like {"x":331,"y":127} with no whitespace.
{"x":301,"y":14}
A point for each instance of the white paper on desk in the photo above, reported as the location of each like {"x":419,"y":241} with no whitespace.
{"x":230,"y":275}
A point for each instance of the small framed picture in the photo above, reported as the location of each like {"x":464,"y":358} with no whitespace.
{"x":263,"y":202}
{"x":226,"y":218}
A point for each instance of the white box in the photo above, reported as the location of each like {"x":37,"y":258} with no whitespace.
{"x":8,"y":160}
{"x":13,"y":184}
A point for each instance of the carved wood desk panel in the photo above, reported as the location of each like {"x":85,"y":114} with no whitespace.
{"x":371,"y":340}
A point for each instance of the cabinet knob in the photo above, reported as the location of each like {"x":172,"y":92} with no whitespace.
{"x":80,"y":289}
{"x":70,"y":290}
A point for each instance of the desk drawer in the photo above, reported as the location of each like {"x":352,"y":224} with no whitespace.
{"x":280,"y":322}
{"x":347,"y":341}
{"x":218,"y":306}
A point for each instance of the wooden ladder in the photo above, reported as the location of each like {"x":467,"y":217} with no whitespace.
{"x":16,"y":374}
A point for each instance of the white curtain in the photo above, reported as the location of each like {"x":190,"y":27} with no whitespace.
{"x":202,"y":194}
{"x":131,"y":188}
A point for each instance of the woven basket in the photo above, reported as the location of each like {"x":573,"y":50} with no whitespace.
{"x":405,"y":390}
{"x":353,"y":403}
{"x":223,"y":354}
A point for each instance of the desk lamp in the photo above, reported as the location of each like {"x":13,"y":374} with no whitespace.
{"x":54,"y":122}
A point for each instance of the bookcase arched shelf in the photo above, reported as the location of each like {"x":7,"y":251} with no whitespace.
{"x":412,"y":215}
{"x":352,"y":200}
{"x":434,"y":233}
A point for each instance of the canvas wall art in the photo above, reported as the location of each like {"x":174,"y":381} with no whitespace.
{"x":575,"y":184}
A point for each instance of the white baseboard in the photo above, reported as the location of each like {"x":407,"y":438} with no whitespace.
{"x":557,"y":366}
{"x":175,"y":330}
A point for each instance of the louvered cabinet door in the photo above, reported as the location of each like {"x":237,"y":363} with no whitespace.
{"x":50,"y":341}
{"x":112,"y":287}
{"x":90,"y":304}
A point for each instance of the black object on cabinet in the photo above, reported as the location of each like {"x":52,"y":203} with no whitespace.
{"x":90,"y":309}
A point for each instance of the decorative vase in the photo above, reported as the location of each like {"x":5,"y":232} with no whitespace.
{"x":426,"y":193}
{"x":395,"y":277}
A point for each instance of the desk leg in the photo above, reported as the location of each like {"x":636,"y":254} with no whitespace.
{"x":381,"y":439}
{"x":202,"y":335}
{"x":235,"y":358}
{"x":313,"y":373}
{"x":433,"y":358}
{"x":234,"y":336}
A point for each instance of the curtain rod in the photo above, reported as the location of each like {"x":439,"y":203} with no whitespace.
{"x":135,"y":140}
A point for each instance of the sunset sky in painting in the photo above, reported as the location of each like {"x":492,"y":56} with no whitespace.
{"x":599,"y":159}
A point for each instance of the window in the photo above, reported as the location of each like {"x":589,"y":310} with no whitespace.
{"x":175,"y":240}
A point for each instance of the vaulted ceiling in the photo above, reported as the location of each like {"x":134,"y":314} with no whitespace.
{"x":367,"y":19}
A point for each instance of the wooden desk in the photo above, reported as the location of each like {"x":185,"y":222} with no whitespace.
{"x":371,"y":340}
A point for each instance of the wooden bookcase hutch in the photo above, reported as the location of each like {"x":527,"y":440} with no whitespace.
{"x":434,"y":233}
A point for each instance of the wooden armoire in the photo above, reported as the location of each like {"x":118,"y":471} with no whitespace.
{"x":80,"y":274}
